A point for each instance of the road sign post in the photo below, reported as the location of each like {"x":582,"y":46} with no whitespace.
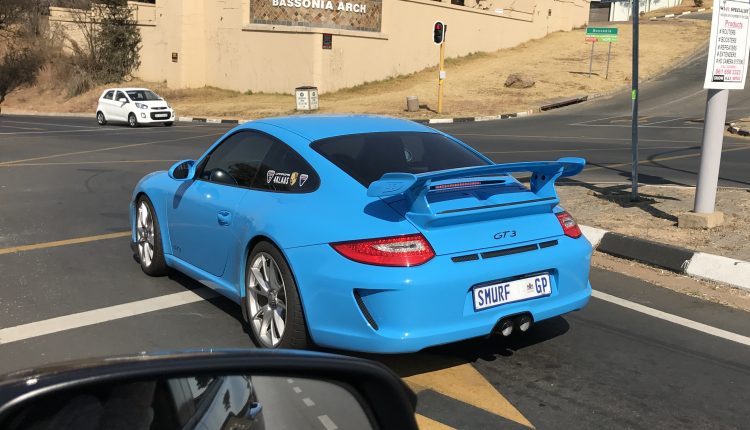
{"x":726,"y":69}
{"x":601,"y":34}
{"x":438,"y":36}
{"x":634,"y":98}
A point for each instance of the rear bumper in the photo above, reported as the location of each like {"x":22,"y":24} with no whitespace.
{"x":418,"y":307}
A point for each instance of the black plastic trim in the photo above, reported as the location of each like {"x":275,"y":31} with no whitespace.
{"x":499,"y":205}
{"x":462,"y":258}
{"x":510,"y":251}
{"x":365,"y":311}
{"x":548,"y":244}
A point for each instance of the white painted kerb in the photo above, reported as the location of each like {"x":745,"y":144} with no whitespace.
{"x":722,"y":269}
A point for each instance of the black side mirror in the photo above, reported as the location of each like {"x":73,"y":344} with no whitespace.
{"x":251,"y":389}
{"x":182,"y":170}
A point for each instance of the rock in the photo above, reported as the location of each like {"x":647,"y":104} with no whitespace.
{"x":519,"y":80}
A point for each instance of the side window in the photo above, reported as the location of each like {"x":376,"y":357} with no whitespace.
{"x":283,"y":170}
{"x":109,"y":95}
{"x":235,"y":161}
{"x":120,"y":95}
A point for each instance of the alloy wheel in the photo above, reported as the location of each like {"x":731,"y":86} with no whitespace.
{"x":267,"y":300}
{"x":145,"y":234}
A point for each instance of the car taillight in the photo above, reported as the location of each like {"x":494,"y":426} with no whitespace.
{"x":401,"y":251}
{"x":569,"y":225}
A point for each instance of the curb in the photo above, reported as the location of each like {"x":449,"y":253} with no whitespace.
{"x":211,"y":120}
{"x":735,"y":129}
{"x":673,"y":258}
{"x":677,"y":15}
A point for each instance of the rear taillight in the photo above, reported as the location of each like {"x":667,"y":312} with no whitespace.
{"x":569,"y":225}
{"x":401,"y":251}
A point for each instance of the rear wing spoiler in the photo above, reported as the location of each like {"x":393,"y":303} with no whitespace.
{"x":415,"y":187}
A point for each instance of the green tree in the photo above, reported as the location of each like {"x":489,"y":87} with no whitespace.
{"x":22,"y":44}
{"x":108,"y":50}
{"x":19,"y":67}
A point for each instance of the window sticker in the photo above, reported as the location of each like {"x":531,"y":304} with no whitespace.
{"x":270,"y":175}
{"x":302,"y":179}
{"x":293,"y":178}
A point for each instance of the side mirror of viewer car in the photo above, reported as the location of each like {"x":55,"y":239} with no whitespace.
{"x":182,"y":170}
{"x":248,"y":389}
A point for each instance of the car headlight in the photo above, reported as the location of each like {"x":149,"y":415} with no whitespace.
{"x":141,"y":106}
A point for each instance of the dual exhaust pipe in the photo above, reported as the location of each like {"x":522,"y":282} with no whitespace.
{"x":506,"y":326}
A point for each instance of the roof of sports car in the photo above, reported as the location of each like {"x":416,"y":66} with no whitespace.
{"x":315,"y":127}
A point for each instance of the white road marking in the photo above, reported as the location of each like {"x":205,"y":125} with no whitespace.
{"x":308,"y":401}
{"x":713,"y":331}
{"x":110,"y":148}
{"x":101,"y":315}
{"x":327,"y":422}
{"x":49,"y":123}
{"x":20,"y":128}
{"x":667,"y":120}
{"x":626,"y":141}
{"x":103,"y":130}
{"x":290,"y":380}
{"x":297,"y":390}
{"x":628,"y":126}
{"x":624,"y":148}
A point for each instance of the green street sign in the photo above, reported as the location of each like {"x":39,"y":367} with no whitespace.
{"x":601,"y":34}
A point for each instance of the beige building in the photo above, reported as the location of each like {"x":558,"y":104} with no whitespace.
{"x":276,"y":45}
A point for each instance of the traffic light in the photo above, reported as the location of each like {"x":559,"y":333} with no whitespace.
{"x":439,"y":33}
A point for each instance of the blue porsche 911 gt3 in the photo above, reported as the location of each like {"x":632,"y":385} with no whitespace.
{"x":365,"y":233}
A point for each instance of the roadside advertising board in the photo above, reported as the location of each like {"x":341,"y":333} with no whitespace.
{"x":726,"y":67}
{"x":601,"y":34}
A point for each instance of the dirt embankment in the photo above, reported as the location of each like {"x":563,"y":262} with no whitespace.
{"x":558,"y":63}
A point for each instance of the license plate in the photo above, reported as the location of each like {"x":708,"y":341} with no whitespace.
{"x":500,"y":293}
{"x":161,"y":115}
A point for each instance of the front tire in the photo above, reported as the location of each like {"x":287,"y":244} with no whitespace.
{"x":132,"y":120}
{"x":148,"y":239}
{"x":100,"y":118}
{"x":272,"y":305}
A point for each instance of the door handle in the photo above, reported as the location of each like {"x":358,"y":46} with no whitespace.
{"x":224,"y":217}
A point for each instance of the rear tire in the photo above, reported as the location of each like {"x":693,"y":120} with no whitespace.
{"x":148,"y":239}
{"x":273,"y":309}
{"x":100,"y":118}
{"x":132,"y":120}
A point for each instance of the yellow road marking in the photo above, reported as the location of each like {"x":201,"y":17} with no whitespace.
{"x":73,"y":163}
{"x":466,"y":384}
{"x":132,"y":145}
{"x":57,"y":243}
{"x":655,"y":160}
{"x":425,"y":423}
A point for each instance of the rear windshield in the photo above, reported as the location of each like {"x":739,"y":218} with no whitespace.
{"x":366,"y":157}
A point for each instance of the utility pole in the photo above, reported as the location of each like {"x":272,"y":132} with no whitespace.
{"x":726,"y":69}
{"x":634,"y":98}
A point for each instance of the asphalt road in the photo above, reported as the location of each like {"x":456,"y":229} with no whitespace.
{"x":609,"y":365}
{"x":671,"y":110}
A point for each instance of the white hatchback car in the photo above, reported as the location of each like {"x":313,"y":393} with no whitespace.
{"x":134,"y":106}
